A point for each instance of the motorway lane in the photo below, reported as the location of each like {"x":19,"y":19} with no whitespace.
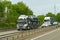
{"x":8,"y":32}
{"x":55,"y":35}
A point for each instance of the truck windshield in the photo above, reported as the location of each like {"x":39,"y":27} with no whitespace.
{"x":21,"y":22}
{"x":46,"y":20}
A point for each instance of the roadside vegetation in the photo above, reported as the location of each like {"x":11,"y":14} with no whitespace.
{"x":10,"y":12}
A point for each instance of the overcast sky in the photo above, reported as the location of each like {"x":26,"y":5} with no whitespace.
{"x":41,"y":6}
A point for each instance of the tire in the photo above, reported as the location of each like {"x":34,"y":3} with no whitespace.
{"x":18,"y":29}
{"x":28,"y":28}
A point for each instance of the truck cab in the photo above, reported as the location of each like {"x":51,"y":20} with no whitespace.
{"x":22,"y":22}
{"x":48,"y":21}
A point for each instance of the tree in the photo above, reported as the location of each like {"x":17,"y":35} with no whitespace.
{"x":58,"y":17}
{"x":41,"y":18}
{"x":1,"y":9}
{"x":51,"y":15}
{"x":23,"y":9}
{"x":14,"y":11}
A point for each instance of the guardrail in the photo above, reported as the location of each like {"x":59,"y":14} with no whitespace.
{"x":22,"y":35}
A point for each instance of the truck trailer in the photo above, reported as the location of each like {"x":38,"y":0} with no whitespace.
{"x":27,"y":22}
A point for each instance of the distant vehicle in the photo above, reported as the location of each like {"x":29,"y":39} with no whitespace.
{"x":55,"y":23}
{"x":27,"y":22}
{"x":48,"y":21}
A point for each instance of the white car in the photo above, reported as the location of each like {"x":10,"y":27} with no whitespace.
{"x":55,"y":23}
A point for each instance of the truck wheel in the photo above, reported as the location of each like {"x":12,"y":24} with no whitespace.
{"x":18,"y":29}
{"x":28,"y":28}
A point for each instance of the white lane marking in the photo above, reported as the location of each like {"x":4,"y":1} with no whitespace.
{"x":45,"y":34}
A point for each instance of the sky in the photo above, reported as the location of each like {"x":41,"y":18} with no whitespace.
{"x":40,"y":7}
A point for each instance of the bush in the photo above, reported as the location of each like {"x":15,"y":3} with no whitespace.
{"x":7,"y":25}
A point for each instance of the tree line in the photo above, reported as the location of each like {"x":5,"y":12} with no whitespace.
{"x":9,"y":12}
{"x":49,"y":14}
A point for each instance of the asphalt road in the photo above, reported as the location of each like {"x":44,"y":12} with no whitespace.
{"x":8,"y":32}
{"x":53,"y":35}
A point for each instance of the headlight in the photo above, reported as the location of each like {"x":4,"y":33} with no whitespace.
{"x":25,"y":25}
